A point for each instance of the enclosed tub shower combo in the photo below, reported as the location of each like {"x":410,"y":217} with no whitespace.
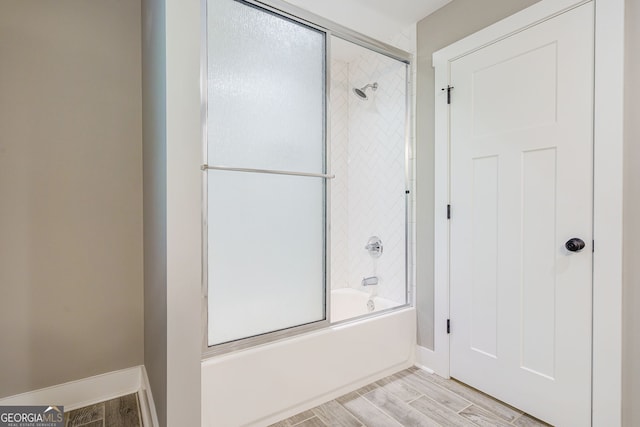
{"x":306,"y":211}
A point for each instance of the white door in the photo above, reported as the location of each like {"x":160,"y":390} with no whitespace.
{"x":521,"y":187}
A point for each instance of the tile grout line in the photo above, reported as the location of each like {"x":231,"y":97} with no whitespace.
{"x":464,"y":409}
{"x":307,"y":419}
{"x":516,"y":419}
{"x":409,"y":402}
{"x":351,"y":413}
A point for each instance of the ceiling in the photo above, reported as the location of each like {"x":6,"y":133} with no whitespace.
{"x":380,"y":19}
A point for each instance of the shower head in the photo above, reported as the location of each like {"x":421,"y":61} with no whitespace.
{"x":362,"y":92}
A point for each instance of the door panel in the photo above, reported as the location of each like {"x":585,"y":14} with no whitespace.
{"x":266,"y":228}
{"x":539,"y":257}
{"x":485,"y":244}
{"x":266,"y":89}
{"x":521,"y":186}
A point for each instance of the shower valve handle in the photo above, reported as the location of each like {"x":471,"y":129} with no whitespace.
{"x":374,"y":246}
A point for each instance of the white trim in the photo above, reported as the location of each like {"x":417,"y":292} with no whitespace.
{"x":440,"y":354}
{"x":80,"y":393}
{"x":515,"y":23}
{"x":92,"y":390}
{"x":425,"y":359}
{"x":147,"y":405}
{"x":608,"y":187}
{"x":424,"y":368}
{"x":608,"y":166}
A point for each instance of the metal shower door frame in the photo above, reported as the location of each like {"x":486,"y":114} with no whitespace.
{"x":329,"y":28}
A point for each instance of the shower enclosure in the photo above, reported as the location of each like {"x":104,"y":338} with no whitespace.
{"x":369,"y":193}
{"x":305,"y":174}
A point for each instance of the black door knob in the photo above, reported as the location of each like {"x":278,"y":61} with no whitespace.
{"x":574,"y":245}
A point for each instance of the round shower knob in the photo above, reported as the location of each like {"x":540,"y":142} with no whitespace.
{"x":374,"y":246}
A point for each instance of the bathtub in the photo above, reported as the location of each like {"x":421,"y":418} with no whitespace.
{"x":347,"y":303}
{"x":258,"y":386}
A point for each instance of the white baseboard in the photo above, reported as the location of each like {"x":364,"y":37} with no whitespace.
{"x":89,"y":391}
{"x":147,"y":405}
{"x":431,"y":362}
{"x":425,"y":368}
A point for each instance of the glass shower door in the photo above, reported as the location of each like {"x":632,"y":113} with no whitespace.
{"x":266,"y":182}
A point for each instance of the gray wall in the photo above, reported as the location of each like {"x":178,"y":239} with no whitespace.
{"x":456,"y":20}
{"x":155,"y":200}
{"x":631,"y":271}
{"x":70,"y":191}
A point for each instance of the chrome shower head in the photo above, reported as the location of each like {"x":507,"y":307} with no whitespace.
{"x":362,"y":92}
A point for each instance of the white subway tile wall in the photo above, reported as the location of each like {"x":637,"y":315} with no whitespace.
{"x":339,"y":115}
{"x":368,"y":158}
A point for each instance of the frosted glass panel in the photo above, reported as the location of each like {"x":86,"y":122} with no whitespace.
{"x":266,"y":90}
{"x":266,"y":253}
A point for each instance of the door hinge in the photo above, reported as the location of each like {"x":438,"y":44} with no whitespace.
{"x":448,"y":89}
{"x":448,"y":211}
{"x":448,"y":326}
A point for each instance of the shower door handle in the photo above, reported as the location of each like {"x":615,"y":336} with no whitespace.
{"x":269,"y":171}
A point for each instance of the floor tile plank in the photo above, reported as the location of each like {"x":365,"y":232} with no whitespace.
{"x":365,"y":411}
{"x":396,"y":386}
{"x":410,"y":398}
{"x":483,"y":418}
{"x":334,"y":414}
{"x":398,"y":409}
{"x":122,"y":412}
{"x":440,"y":414}
{"x":85,"y":415}
{"x":444,"y":397}
{"x":476,"y":397}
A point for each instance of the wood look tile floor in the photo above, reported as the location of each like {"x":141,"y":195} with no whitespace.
{"x":123,"y":411}
{"x":413,"y":398}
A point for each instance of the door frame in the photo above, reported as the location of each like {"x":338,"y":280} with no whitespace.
{"x":607,"y":215}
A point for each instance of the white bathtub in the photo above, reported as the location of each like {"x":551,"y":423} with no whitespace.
{"x":347,"y":303}
{"x":261,"y":385}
